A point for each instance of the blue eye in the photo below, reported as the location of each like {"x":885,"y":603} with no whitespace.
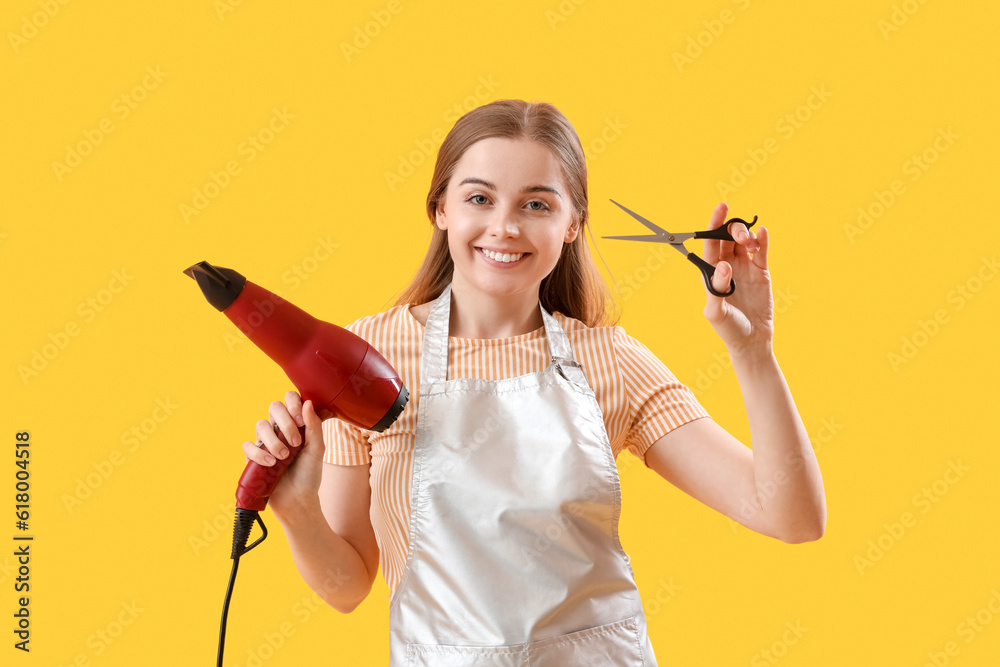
{"x":470,"y":199}
{"x":544,"y":206}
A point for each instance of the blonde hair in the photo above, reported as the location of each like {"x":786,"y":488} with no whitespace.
{"x":574,"y":287}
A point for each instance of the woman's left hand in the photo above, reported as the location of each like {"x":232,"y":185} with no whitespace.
{"x":744,"y":320}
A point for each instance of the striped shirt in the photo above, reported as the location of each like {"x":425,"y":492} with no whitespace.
{"x":639,"y":397}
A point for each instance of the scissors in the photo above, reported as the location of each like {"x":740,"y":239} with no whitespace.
{"x":677,"y":241}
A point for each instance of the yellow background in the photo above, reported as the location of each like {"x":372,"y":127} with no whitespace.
{"x":143,"y":558}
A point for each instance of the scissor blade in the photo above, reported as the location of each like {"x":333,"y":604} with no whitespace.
{"x":655,"y":228}
{"x":654,"y":238}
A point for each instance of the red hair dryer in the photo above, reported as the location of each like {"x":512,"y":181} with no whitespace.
{"x":339,"y":372}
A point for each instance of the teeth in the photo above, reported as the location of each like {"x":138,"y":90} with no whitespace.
{"x":499,"y":257}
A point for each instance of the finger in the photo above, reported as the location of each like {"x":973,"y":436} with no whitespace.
{"x":715,"y":306}
{"x":712,"y":250}
{"x":313,"y":424}
{"x":760,"y":257}
{"x":267,"y":436}
{"x":257,"y":455}
{"x":744,"y":236}
{"x":739,"y":232}
{"x":285,"y":423}
{"x":294,"y":403}
{"x":720,"y":280}
{"x":752,"y":243}
{"x":742,"y":239}
{"x":718,"y":215}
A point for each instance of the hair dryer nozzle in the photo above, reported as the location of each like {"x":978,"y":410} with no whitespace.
{"x":220,"y":286}
{"x":394,"y":410}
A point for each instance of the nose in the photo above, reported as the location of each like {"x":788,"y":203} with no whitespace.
{"x":504,"y":223}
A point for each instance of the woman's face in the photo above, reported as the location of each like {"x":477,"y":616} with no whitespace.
{"x":508,"y":212}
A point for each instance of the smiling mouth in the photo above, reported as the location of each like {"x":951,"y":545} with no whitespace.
{"x":503,"y":258}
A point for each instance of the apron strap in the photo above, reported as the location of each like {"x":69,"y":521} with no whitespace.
{"x":561,"y":352}
{"x":434,"y":353}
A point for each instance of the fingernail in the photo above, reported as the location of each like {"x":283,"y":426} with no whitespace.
{"x":299,"y":420}
{"x":269,"y":459}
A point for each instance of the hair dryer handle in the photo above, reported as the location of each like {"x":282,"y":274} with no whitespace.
{"x":258,"y":482}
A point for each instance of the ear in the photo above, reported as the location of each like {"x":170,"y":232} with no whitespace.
{"x":573,"y":231}
{"x":440,"y":218}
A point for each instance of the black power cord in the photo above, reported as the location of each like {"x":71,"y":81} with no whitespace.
{"x":241,"y":533}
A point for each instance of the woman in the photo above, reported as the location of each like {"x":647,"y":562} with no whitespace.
{"x":493,"y":502}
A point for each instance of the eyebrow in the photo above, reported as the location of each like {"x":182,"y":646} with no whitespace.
{"x":525,"y":189}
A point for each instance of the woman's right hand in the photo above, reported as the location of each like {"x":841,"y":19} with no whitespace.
{"x":298,"y":489}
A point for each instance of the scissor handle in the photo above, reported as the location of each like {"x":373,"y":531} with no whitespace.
{"x":707,"y":272}
{"x":722,"y":233}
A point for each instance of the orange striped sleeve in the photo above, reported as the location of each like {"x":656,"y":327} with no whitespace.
{"x":658,"y":402}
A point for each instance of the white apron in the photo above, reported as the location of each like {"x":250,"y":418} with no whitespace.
{"x":514,"y":557}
